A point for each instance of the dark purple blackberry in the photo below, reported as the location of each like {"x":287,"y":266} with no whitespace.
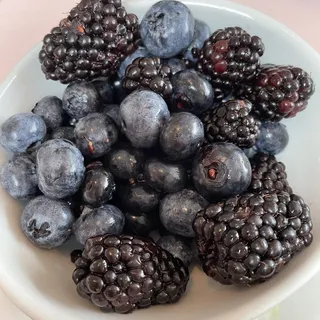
{"x":229,"y":57}
{"x":232,"y":122}
{"x":268,"y":174}
{"x":278,"y":92}
{"x":91,"y":42}
{"x":148,"y":73}
{"x":249,"y":238}
{"x":124,"y":273}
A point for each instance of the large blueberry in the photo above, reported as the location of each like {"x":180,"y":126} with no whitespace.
{"x":181,"y":136}
{"x":98,"y":185}
{"x":273,"y":138}
{"x":80,"y":99}
{"x":113,"y":111}
{"x":141,"y":52}
{"x":221,"y":170}
{"x":176,"y":65}
{"x":105,"y":90}
{"x":63,"y":133}
{"x":47,"y":223}
{"x":97,"y":222}
{"x":95,"y":134}
{"x":138,"y":197}
{"x":201,"y":34}
{"x":191,"y":92}
{"x":21,"y":131}
{"x":19,"y":177}
{"x":125,"y":162}
{"x":167,"y":28}
{"x":143,"y":114}
{"x":165,"y":176}
{"x":178,"y":210}
{"x":178,"y":246}
{"x":60,"y":168}
{"x":50,"y":110}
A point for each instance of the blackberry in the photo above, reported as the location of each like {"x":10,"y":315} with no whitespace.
{"x":249,"y":238}
{"x":232,"y":122}
{"x":148,"y":73}
{"x":124,"y":273}
{"x":91,"y":42}
{"x":268,"y":174}
{"x":278,"y":92}
{"x":229,"y":57}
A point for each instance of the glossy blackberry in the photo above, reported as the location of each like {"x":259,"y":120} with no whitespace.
{"x":268,"y":174}
{"x":278,"y":92}
{"x":124,"y":273}
{"x":249,"y":238}
{"x":229,"y":57}
{"x":148,"y":73}
{"x":232,"y":122}
{"x":91,"y":42}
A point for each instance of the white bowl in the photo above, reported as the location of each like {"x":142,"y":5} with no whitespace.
{"x":39,"y":281}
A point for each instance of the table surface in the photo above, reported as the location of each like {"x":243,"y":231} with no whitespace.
{"x":22,"y":25}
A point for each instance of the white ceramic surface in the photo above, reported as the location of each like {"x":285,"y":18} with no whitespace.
{"x":39,"y":282}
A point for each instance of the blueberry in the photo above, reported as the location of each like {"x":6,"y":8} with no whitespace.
{"x":95,"y":134}
{"x":19,"y":177}
{"x":50,"y":110}
{"x":98,"y":185}
{"x":143,"y":114}
{"x":273,"y":138}
{"x":141,"y":52}
{"x":178,"y":246}
{"x":113,"y":111}
{"x":47,"y":223}
{"x":98,"y":221}
{"x":167,"y":28}
{"x":80,"y":99}
{"x":105,"y":90}
{"x":141,"y":224}
{"x":119,"y":92}
{"x":191,"y":92}
{"x":221,"y":170}
{"x":63,"y":133}
{"x":21,"y":131}
{"x":178,"y":210}
{"x":164,"y":176}
{"x":125,"y":162}
{"x":201,"y":34}
{"x":182,"y":136}
{"x":60,"y":168}
{"x":138,"y":197}
{"x":176,"y":65}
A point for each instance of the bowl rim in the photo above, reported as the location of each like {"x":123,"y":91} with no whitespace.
{"x":8,"y":284}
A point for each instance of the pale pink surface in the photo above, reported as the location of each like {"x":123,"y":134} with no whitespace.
{"x":23,"y":24}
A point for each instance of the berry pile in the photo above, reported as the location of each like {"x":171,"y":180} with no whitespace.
{"x":148,"y":152}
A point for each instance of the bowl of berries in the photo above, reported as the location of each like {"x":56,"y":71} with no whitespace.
{"x":146,"y":167}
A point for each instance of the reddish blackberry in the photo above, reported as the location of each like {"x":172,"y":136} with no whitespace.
{"x":232,"y":122}
{"x":148,"y":73}
{"x":123,"y":273}
{"x":278,"y":92}
{"x":229,"y":57}
{"x":249,"y":238}
{"x":268,"y":174}
{"x":91,"y":42}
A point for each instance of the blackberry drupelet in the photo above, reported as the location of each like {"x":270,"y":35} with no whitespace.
{"x":229,"y":57}
{"x":91,"y":42}
{"x":232,"y":122}
{"x":278,"y":92}
{"x":124,"y":273}
{"x":249,"y":238}
{"x":268,"y":174}
{"x":148,"y":73}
